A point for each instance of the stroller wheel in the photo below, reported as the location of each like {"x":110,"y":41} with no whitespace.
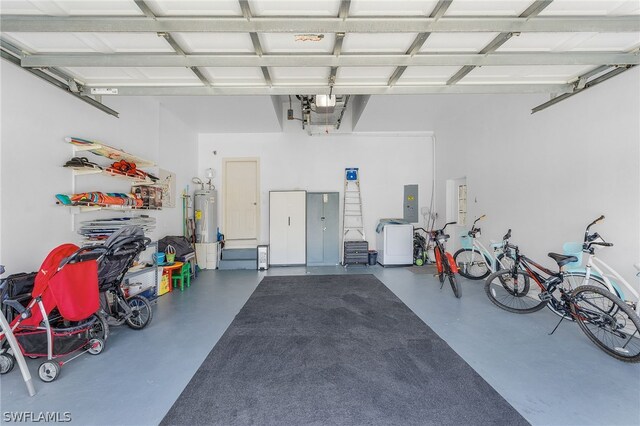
{"x":48,"y":371}
{"x":141,"y":313}
{"x":7,"y":362}
{"x":100,"y":328}
{"x":95,"y":346}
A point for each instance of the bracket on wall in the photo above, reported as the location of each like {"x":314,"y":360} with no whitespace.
{"x":583,"y":83}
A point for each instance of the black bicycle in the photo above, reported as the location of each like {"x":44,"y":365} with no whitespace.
{"x":608,"y":321}
{"x":445,"y":264}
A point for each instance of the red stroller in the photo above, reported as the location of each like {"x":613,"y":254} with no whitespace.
{"x":61,"y":317}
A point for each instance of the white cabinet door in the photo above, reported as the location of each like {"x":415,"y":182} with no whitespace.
{"x":297,"y":232}
{"x":278,"y":227}
{"x":287,"y":227}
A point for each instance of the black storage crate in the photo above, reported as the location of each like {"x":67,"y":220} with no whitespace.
{"x":356,"y":253}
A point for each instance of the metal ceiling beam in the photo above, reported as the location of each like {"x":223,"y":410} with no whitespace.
{"x":200,"y":76}
{"x":438,"y":11}
{"x":417,"y":43}
{"x":267,"y":76}
{"x":337,"y":46}
{"x":29,"y":23}
{"x":589,"y":84}
{"x":145,"y":8}
{"x":337,"y":90}
{"x":533,"y":10}
{"x":326,"y":60}
{"x":396,"y":75}
{"x":246,"y":9}
{"x":255,"y":40}
{"x":332,"y":75}
{"x":343,"y":13}
{"x":172,"y":42}
{"x":344,"y":9}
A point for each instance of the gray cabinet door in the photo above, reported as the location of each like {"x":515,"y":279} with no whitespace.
{"x":323,"y":228}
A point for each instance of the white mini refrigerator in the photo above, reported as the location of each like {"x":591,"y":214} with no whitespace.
{"x":395,"y":245}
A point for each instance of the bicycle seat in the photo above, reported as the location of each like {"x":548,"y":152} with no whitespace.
{"x":562,"y":259}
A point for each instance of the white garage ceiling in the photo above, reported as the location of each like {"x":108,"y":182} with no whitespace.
{"x":269,"y":47}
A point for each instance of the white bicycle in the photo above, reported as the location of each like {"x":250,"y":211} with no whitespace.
{"x":475,"y":261}
{"x":596,"y":271}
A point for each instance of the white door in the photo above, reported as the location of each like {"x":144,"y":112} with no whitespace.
{"x":241,"y":202}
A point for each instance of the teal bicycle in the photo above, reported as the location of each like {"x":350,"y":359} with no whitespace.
{"x":475,"y":261}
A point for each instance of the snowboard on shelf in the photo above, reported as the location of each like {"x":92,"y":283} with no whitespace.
{"x":104,"y":150}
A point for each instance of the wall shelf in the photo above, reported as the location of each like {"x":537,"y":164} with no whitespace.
{"x":135,"y":180}
{"x":103,"y":150}
{"x":87,"y":207}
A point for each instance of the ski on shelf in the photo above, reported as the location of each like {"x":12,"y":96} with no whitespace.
{"x":103,"y":150}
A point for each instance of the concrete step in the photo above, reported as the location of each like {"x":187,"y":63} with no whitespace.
{"x":226,"y":264}
{"x":240,"y":254}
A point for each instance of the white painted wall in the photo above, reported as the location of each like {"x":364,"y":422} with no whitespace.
{"x":178,"y":152}
{"x":544,"y":175}
{"x":35,"y":119}
{"x":293,"y":160}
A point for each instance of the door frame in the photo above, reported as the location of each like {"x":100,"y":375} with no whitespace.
{"x":225,"y":161}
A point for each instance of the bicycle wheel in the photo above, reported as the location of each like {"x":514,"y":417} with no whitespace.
{"x":439,"y":264}
{"x":141,"y":313}
{"x":504,"y":262}
{"x":472,"y":264}
{"x":455,"y":286}
{"x":575,"y":279}
{"x":511,"y":291}
{"x":571,"y":281}
{"x":608,"y":322}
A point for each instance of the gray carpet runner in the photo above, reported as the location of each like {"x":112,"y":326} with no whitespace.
{"x":334,"y":350}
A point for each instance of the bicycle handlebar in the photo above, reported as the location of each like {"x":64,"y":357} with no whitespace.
{"x":447,"y":224}
{"x":480,"y":218}
{"x":603,"y":244}
{"x":594,"y":222}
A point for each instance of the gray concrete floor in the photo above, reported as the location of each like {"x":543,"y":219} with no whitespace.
{"x":561,"y":379}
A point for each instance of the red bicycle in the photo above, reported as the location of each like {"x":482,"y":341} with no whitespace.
{"x":445,"y":263}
